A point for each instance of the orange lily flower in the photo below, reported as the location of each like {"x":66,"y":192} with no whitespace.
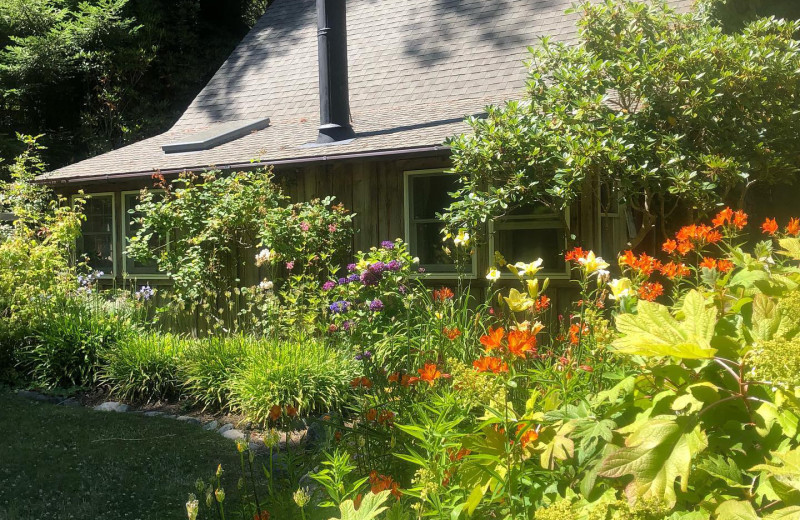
{"x":493,"y":340}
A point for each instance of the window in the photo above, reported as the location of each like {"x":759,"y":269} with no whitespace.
{"x":98,"y":234}
{"x":427,"y":193}
{"x":614,"y":231}
{"x":528,"y":233}
{"x":133,"y":267}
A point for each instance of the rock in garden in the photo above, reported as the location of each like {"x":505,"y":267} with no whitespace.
{"x":189,"y":419}
{"x":154,"y":413}
{"x":211,"y":425}
{"x":112,"y":406}
{"x":72,"y":402}
{"x":225,"y":427}
{"x":233,"y":435}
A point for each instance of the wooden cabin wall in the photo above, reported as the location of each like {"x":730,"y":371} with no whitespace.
{"x":374,"y":191}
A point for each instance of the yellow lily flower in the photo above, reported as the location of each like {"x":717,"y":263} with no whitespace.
{"x":517,"y":302}
{"x":592,"y":263}
{"x":530,"y":269}
{"x":619,"y":288}
{"x":493,"y":275}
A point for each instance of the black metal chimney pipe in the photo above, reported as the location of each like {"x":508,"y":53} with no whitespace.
{"x":334,"y":96}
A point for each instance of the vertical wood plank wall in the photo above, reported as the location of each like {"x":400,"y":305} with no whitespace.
{"x":374,"y":190}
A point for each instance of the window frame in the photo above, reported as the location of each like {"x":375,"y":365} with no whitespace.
{"x":114,"y":237}
{"x":525,"y":222}
{"x":125,"y":274}
{"x":407,"y":217}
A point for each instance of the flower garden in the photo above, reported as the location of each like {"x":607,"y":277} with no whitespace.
{"x":668,"y":389}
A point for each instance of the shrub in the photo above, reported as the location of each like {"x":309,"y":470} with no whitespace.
{"x":207,"y":366}
{"x":302,"y":374}
{"x":67,"y":333}
{"x":143,"y":367}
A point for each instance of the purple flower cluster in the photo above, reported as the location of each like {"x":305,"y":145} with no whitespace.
{"x":340,"y":306}
{"x":387,"y":244}
{"x":375,"y":305}
{"x":366,"y":355}
{"x":347,"y":325}
{"x":144,"y":293}
{"x":327,"y":286}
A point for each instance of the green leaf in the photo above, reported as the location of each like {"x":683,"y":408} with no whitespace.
{"x":791,"y":248}
{"x":787,"y":513}
{"x":656,"y":455}
{"x":559,"y":447}
{"x":371,"y":506}
{"x":786,"y":469}
{"x":725,"y":469}
{"x":653,"y":331}
{"x":736,"y":510}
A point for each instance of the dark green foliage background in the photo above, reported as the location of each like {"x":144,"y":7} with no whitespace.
{"x":95,"y":75}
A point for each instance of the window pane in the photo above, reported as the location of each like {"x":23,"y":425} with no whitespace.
{"x":428,"y":247}
{"x":526,"y":245}
{"x":429,"y":194}
{"x":96,"y":244}
{"x":531,"y":210}
{"x":131,"y":227}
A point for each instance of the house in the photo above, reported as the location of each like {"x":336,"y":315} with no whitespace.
{"x":366,"y":122}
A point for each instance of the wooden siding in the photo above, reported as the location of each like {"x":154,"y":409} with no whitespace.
{"x":374,"y":190}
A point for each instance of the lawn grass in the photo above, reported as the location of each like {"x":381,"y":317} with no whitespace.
{"x":75,"y":463}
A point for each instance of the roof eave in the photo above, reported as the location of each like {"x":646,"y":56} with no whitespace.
{"x":399,"y":153}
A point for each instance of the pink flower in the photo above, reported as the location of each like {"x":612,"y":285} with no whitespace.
{"x":332,"y":228}
{"x":290,"y":265}
{"x":305,"y":226}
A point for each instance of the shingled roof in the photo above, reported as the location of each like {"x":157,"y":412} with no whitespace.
{"x":416,"y":68}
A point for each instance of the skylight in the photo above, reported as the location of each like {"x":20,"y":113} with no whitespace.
{"x":221,"y":133}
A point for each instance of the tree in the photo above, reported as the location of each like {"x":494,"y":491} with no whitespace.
{"x":95,"y":75}
{"x":665,"y":110}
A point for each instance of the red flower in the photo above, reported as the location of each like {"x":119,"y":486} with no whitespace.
{"x":673,"y":270}
{"x":493,"y":339}
{"x":380,"y":483}
{"x":628,"y":258}
{"x":769,"y":227}
{"x":445,"y":293}
{"x":274,"y":413}
{"x":429,"y":373}
{"x":724,"y":266}
{"x":723,"y":217}
{"x":713,"y":237}
{"x":521,"y":342}
{"x":263,"y":515}
{"x":542,"y":304}
{"x":684,"y":247}
{"x":708,"y":263}
{"x":528,"y":436}
{"x":575,"y":254}
{"x":739,"y":219}
{"x":291,"y":411}
{"x":490,"y":364}
{"x":650,"y":291}
{"x":386,"y":417}
{"x":451,"y":334}
{"x":372,"y":413}
{"x":669,"y":246}
{"x":575,"y":333}
{"x":793,"y":228}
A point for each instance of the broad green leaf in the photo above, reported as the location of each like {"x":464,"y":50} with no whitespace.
{"x":747,"y":278}
{"x":653,"y":331}
{"x":791,"y":247}
{"x":723,"y":468}
{"x":787,"y":513}
{"x":559,"y":447}
{"x":786,"y":469}
{"x":696,"y":397}
{"x":656,"y":455}
{"x":475,"y":497}
{"x":371,"y":506}
{"x":736,"y":510}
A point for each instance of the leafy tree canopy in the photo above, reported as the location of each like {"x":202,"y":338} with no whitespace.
{"x":666,"y":109}
{"x":93,"y":75}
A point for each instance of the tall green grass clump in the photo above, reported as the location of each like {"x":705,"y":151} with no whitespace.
{"x":144,"y":367}
{"x":66,"y":334}
{"x":208,"y":365}
{"x":302,"y":373}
